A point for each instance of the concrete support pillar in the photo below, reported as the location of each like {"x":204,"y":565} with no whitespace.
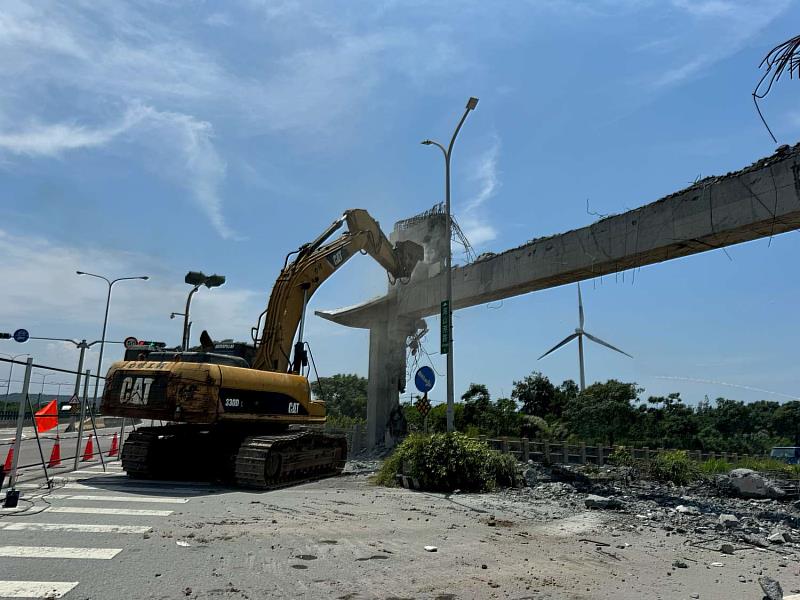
{"x":379,"y":388}
{"x":387,"y":377}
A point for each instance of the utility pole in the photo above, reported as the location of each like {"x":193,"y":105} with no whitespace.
{"x":447,"y":309}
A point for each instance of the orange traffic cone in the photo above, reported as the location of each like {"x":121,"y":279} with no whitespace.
{"x":89,"y":451}
{"x":9,"y":460}
{"x":114,"y":446}
{"x":55,"y":455}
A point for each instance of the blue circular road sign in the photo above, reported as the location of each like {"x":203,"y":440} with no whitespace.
{"x":21,"y":335}
{"x":424,"y":379}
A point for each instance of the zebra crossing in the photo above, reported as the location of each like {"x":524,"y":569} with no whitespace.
{"x":90,"y":501}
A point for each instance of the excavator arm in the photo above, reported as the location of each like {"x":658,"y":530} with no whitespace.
{"x":314,"y":263}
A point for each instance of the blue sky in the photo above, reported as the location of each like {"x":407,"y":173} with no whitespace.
{"x":155,"y":138}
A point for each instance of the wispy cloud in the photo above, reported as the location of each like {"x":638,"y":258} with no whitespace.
{"x":70,"y":68}
{"x":727,"y":25}
{"x":485,"y":179}
{"x":38,"y":139}
{"x":179,"y":148}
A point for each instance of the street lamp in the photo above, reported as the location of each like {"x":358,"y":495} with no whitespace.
{"x":41,"y":391}
{"x":105,"y":322}
{"x":11,"y":370}
{"x":196,"y":279}
{"x":471,"y":104}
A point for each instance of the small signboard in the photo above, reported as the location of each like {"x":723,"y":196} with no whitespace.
{"x":130,"y":342}
{"x":423,"y":405}
{"x":425,"y":379}
{"x":444,"y":320}
{"x":21,"y":335}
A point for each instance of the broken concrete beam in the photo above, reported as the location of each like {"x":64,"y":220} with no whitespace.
{"x":758,"y":201}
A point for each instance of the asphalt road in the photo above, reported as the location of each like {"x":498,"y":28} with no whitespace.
{"x":99,"y":536}
{"x":29,"y":462}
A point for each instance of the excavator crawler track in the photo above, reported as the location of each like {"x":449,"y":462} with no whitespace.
{"x":138,"y":454}
{"x":260,"y":462}
{"x":273,"y":461}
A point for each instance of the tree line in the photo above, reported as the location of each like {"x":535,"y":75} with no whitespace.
{"x":611,"y":412}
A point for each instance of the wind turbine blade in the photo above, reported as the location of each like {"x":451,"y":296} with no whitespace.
{"x":566,"y":340}
{"x":606,"y":344}
{"x":580,"y":307}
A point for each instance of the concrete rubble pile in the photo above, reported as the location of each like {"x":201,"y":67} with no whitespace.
{"x":739,"y":510}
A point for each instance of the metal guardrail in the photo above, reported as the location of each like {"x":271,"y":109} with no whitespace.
{"x":564,"y":452}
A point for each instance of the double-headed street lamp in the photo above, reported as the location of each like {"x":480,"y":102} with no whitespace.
{"x":196,"y":279}
{"x":471,"y":104}
{"x":41,"y":391}
{"x":110,"y":283}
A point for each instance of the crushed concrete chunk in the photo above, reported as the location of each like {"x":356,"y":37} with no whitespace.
{"x":776,"y":538}
{"x":728,"y":520}
{"x":687,"y":510}
{"x":749,"y":484}
{"x":679,"y":564}
{"x":600,"y":502}
{"x":772,"y":589}
{"x":726,"y":548}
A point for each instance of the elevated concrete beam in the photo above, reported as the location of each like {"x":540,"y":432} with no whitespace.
{"x":758,"y":201}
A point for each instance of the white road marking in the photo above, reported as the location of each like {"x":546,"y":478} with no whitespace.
{"x":75,"y":527}
{"x":35,"y":589}
{"x":133,"y":512}
{"x":57,"y":552}
{"x":100,"y":498}
{"x":122,"y":487}
{"x":107,"y":472}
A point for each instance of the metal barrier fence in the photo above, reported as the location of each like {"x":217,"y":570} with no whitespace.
{"x":581,"y":454}
{"x":12,"y":464}
{"x":49,"y":441}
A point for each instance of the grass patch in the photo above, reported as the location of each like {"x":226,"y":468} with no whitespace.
{"x":444,"y":462}
{"x":674,"y":466}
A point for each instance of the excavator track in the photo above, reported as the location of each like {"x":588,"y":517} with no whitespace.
{"x":170,"y":452}
{"x":260,"y":462}
{"x":274,"y":461}
{"x":142,"y":455}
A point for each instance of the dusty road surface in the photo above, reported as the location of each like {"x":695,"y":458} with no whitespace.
{"x":100,"y":536}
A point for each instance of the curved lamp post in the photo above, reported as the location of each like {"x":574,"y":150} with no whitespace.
{"x":471,"y":104}
{"x":110,"y":283}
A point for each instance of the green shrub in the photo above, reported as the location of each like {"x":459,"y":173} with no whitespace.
{"x":674,"y":466}
{"x":714,"y":466}
{"x":444,"y":462}
{"x":505,"y":468}
{"x":622,"y":457}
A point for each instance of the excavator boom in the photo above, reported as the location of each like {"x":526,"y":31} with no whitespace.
{"x":314,"y":263}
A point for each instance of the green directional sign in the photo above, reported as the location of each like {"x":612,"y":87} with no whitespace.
{"x":444,"y":319}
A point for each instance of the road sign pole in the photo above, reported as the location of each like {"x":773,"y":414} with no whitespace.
{"x":39,"y":443}
{"x":425,"y":418}
{"x":26,"y":383}
{"x":77,"y":391}
{"x":82,"y":417}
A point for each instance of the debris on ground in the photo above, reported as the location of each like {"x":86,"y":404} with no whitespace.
{"x":772,"y":589}
{"x":707,"y":511}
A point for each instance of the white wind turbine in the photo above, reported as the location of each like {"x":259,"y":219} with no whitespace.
{"x":579,"y":333}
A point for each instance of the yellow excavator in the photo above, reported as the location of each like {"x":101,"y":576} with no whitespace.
{"x":236,"y":411}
